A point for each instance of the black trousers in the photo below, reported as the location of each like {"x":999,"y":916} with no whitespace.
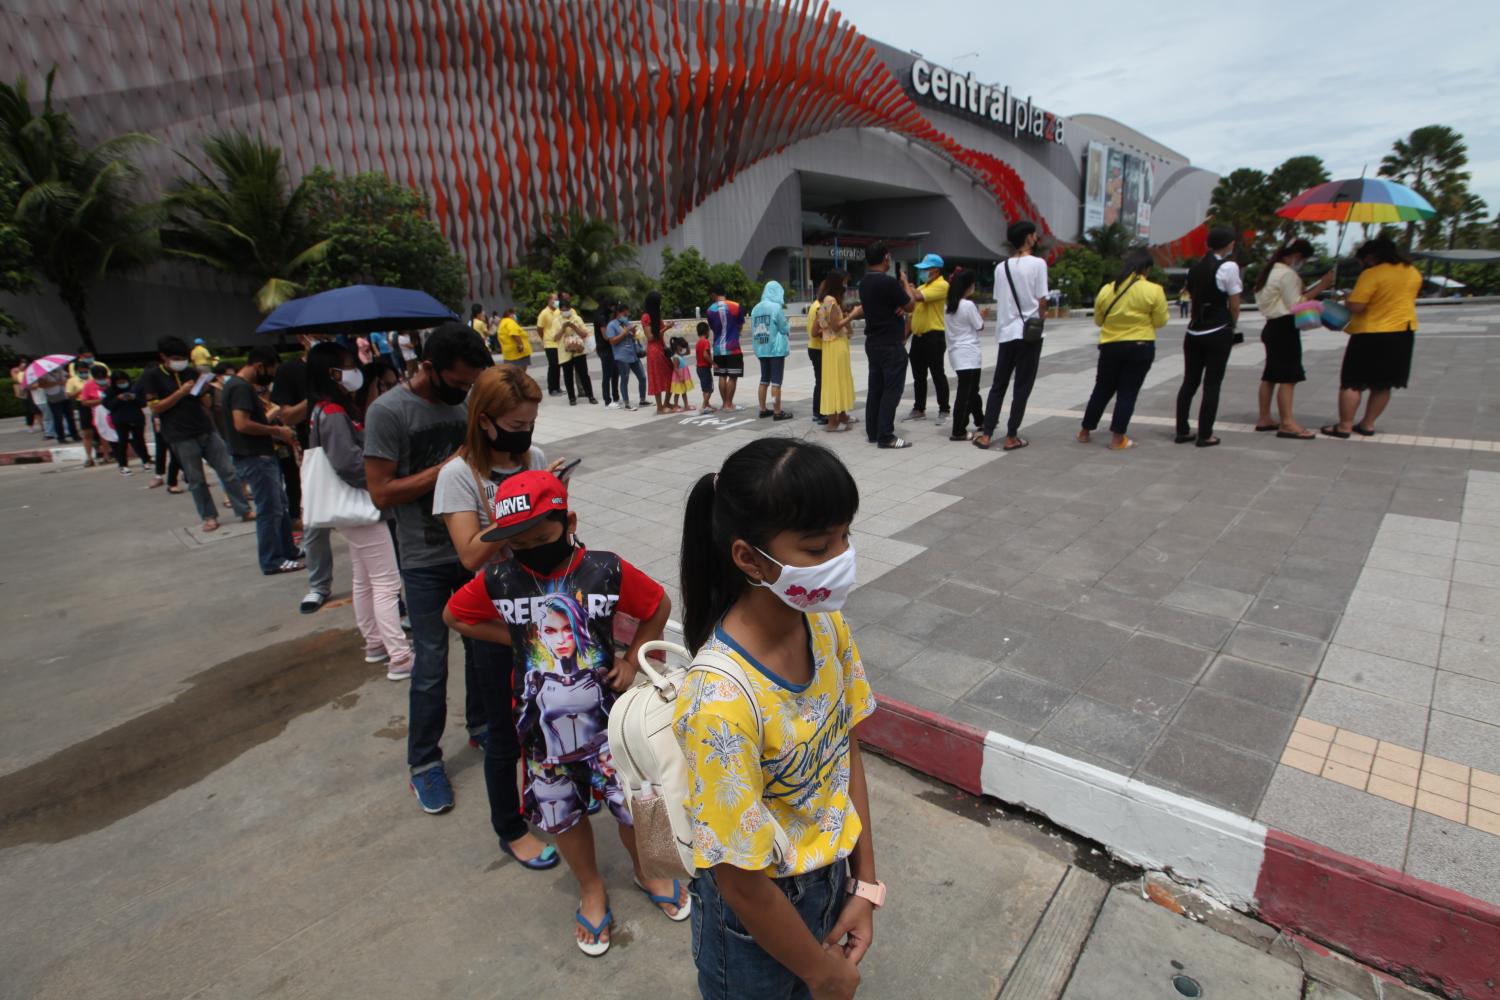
{"x":1019,"y":360}
{"x":493,"y":666}
{"x":1122,"y":368}
{"x":608,"y":375}
{"x":62,"y":420}
{"x":135,"y":435}
{"x":575,"y":374}
{"x":166,"y":461}
{"x":291,"y":478}
{"x":816,"y":357}
{"x":1204,"y":358}
{"x":554,"y":371}
{"x":927,"y":353}
{"x":966,"y":402}
{"x":887,"y":382}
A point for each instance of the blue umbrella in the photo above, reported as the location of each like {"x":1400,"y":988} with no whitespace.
{"x":357,"y":309}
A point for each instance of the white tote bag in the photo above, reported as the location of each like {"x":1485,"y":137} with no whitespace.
{"x":328,"y":501}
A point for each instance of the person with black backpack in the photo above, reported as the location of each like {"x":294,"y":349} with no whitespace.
{"x":1215,"y":285}
{"x":1128,"y":312}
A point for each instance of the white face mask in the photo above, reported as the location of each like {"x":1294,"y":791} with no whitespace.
{"x":824,"y":587}
{"x":351,"y":379}
{"x":178,"y":366}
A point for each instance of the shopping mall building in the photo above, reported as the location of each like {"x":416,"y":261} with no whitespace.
{"x":771,"y":133}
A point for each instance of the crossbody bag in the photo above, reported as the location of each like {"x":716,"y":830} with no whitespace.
{"x":1031,"y":326}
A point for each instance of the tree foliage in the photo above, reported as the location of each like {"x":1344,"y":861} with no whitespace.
{"x":1078,"y":273}
{"x":586,"y":258}
{"x":1245,"y":202}
{"x":1430,"y":161}
{"x":1110,"y":242}
{"x":75,"y":207}
{"x":244,"y":218}
{"x":16,"y":274}
{"x":687,"y":280}
{"x":379,"y":232}
{"x":1295,"y":175}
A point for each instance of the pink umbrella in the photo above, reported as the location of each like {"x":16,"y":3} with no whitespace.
{"x":44,"y":366}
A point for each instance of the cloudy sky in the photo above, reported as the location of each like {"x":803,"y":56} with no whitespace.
{"x":1245,"y":86}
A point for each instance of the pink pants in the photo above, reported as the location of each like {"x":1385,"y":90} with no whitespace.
{"x":377,"y":590}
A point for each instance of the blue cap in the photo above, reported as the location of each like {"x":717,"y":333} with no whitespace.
{"x":197,"y":340}
{"x":932,"y":262}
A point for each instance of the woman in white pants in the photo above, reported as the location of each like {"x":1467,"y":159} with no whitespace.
{"x":337,"y":426}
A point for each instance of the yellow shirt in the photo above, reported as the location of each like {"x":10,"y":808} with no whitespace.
{"x":514,"y":344}
{"x":1391,"y":293}
{"x":932,"y":299}
{"x":548,"y":322}
{"x":800,"y":775}
{"x":1141,"y":311}
{"x":200,"y":356}
{"x":814,"y":341}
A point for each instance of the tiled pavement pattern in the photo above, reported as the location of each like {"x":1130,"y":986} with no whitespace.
{"x":1169,"y":612}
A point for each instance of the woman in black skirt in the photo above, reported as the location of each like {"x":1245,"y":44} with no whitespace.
{"x":1382,"y":334}
{"x":1277,"y":291}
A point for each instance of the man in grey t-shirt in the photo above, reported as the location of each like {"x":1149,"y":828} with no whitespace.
{"x":409,"y":433}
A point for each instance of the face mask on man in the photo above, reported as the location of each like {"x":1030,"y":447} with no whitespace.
{"x":451,"y":395}
{"x":824,"y":587}
{"x":178,"y":364}
{"x":543,"y":559}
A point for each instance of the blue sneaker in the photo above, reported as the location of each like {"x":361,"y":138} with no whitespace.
{"x":434,"y":793}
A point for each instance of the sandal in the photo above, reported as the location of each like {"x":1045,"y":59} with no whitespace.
{"x":1268,"y":427}
{"x":595,"y":948}
{"x":1020,"y":443}
{"x":684,"y":908}
{"x":174,"y":489}
{"x":545,"y":861}
{"x":1128,"y":443}
{"x":212,"y":524}
{"x":982,"y":441}
{"x":1304,"y":436}
{"x":1362,"y":432}
{"x":1211,"y":442}
{"x":1332,"y":430}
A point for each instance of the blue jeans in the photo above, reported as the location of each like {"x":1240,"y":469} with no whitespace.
{"x":623,"y":370}
{"x":427,"y":591}
{"x":273,"y":521}
{"x":730,"y":963}
{"x":191,"y":454}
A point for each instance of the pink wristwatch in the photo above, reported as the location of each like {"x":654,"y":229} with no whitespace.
{"x":873,"y":891}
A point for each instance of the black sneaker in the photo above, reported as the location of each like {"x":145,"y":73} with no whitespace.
{"x":896,"y":443}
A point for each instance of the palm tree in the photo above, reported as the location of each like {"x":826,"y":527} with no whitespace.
{"x":1428,"y":161}
{"x":588,"y":259}
{"x":1245,"y":202}
{"x":244,"y":218}
{"x":75,"y":208}
{"x":1111,"y":242}
{"x":1295,"y":175}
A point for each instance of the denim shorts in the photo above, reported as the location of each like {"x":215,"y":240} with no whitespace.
{"x":730,"y":963}
{"x":771,"y":370}
{"x":706,"y":379}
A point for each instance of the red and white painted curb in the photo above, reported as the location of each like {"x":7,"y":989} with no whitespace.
{"x":33,"y":456}
{"x":1382,"y":917}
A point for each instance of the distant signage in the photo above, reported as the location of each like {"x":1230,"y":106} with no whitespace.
{"x":994,"y":106}
{"x":1118,"y":187}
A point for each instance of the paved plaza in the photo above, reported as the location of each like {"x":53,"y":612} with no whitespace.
{"x":202,"y":788}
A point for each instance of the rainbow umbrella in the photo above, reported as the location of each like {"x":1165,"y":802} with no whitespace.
{"x":1362,"y":199}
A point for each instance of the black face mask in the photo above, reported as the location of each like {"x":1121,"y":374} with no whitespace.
{"x":262,"y":378}
{"x":543,"y":559}
{"x":509,"y":442}
{"x":447,"y":393}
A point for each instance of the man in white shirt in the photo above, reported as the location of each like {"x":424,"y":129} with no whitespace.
{"x":1020,"y":294}
{"x":1215,"y":285}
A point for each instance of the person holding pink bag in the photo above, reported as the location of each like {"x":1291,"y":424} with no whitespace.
{"x":1278,"y":293}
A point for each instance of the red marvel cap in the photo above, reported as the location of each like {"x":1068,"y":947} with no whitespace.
{"x":523,"y":500}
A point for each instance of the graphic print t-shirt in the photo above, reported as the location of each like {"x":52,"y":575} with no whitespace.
{"x":561,"y":634}
{"x":725,"y":322}
{"x":404,"y":428}
{"x":800,"y":775}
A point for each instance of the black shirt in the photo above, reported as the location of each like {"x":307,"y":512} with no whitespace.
{"x":289,"y":389}
{"x":883,"y":298}
{"x":241,"y":395}
{"x":189,"y":418}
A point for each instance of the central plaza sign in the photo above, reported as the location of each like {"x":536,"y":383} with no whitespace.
{"x":995,"y":106}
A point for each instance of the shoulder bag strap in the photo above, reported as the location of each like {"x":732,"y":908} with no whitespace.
{"x":1012,"y":285}
{"x":1118,"y":296}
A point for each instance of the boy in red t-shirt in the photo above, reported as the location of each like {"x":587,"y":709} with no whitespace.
{"x":705,"y":366}
{"x":554,"y":603}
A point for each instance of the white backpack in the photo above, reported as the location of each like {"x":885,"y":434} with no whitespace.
{"x":652,"y":768}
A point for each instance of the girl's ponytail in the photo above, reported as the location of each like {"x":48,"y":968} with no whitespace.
{"x":704,"y":575}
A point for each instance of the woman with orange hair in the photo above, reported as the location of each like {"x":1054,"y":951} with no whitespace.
{"x":503,"y":409}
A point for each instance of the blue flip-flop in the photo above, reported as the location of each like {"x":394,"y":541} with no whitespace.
{"x":684,"y":910}
{"x":545,"y":861}
{"x":597,"y":947}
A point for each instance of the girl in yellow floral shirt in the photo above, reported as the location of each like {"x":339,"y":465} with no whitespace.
{"x":780,"y":809}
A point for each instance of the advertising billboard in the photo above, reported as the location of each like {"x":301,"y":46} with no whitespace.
{"x":1118,"y":187}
